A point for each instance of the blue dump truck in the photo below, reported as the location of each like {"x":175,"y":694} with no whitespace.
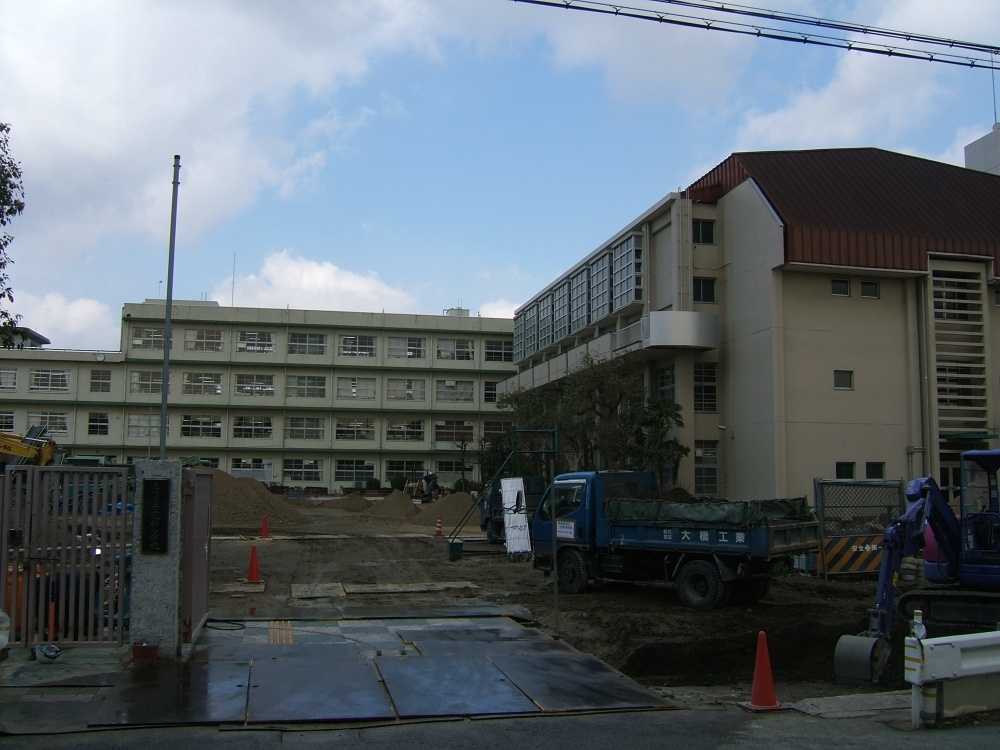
{"x":618,"y":526}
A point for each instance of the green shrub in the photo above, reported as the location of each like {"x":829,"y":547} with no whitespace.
{"x":373,"y":483}
{"x":398,"y":482}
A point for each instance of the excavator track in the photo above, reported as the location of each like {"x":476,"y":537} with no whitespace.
{"x":951,"y":607}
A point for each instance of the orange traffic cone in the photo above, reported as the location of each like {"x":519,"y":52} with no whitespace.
{"x":264,"y":533}
{"x":762,"y":697}
{"x":253,"y":572}
{"x":437,"y":529}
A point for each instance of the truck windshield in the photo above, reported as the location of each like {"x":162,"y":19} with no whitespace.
{"x":565,"y":497}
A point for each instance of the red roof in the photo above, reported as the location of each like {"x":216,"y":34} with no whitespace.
{"x":867,"y":207}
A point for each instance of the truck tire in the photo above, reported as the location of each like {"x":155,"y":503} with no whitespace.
{"x":573,"y":575}
{"x":699,"y":585}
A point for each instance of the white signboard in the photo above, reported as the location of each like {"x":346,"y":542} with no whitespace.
{"x":565,"y":529}
{"x":515,"y":516}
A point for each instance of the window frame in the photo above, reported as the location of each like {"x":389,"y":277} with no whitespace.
{"x":201,"y":425}
{"x":840,"y":386}
{"x":99,"y":423}
{"x":407,"y":347}
{"x":870,"y":283}
{"x":303,"y":343}
{"x":100,"y":380}
{"x":253,"y":427}
{"x":703,"y":290}
{"x":699,"y":233}
{"x":834,"y":287}
{"x":305,"y":386}
{"x":357,"y":345}
{"x":48,"y":380}
{"x":204,"y":340}
{"x":253,"y":384}
{"x":705,"y":388}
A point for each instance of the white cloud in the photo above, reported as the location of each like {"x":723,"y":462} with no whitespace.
{"x":69,"y":324}
{"x":499,"y":308}
{"x":288,"y":280}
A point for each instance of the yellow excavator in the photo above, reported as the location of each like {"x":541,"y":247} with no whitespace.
{"x":32,"y":448}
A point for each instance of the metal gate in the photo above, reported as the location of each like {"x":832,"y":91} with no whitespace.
{"x":67,"y":544}
{"x":853,"y":514}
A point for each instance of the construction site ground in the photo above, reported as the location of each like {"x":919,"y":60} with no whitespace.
{"x":320,"y":553}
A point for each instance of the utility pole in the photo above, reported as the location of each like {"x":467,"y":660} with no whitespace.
{"x":165,"y":385}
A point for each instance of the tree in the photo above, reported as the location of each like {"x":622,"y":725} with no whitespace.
{"x":11,"y":205}
{"x":604,"y":418}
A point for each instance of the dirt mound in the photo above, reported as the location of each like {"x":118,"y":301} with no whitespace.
{"x":451,"y":509}
{"x":245,"y":502}
{"x":396,"y":503}
{"x":355,"y":501}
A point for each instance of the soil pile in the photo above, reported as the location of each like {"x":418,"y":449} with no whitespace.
{"x":397,"y":504}
{"x":355,"y":501}
{"x":451,"y":509}
{"x":245,"y":502}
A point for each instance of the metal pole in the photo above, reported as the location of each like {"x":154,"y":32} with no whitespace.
{"x":165,"y":387}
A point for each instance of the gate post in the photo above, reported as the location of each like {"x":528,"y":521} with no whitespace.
{"x":156,"y":560}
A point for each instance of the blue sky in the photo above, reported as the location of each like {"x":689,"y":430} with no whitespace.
{"x":407,"y":155}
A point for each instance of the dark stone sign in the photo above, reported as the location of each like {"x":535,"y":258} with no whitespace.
{"x":155,"y":515}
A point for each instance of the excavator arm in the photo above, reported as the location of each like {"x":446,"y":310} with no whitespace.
{"x":864,"y":657}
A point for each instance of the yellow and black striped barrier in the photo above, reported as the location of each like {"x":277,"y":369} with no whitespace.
{"x":851,"y":554}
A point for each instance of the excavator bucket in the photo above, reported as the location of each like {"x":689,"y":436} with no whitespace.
{"x":860,"y":658}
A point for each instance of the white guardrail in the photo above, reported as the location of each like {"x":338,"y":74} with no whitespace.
{"x":951,"y":675}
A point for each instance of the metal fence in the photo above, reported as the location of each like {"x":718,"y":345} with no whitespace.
{"x":853,"y":514}
{"x":66,"y":543}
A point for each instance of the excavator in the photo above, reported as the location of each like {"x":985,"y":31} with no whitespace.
{"x":32,"y":448}
{"x":961,"y":556}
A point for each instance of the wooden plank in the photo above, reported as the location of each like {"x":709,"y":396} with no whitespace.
{"x":316,"y":590}
{"x":406,"y":588}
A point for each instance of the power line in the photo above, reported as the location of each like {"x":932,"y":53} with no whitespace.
{"x":975,"y":59}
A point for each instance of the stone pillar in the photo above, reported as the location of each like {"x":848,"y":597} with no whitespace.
{"x":156,"y":557}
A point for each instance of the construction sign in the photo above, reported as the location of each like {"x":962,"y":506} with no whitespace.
{"x":851,"y":554}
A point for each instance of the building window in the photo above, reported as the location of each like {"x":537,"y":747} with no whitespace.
{"x":202,"y":384}
{"x":490,"y":391}
{"x":844,"y":470}
{"x":48,"y":381}
{"x":626,"y":272}
{"x":498,"y":351}
{"x":560,"y":313}
{"x":398,"y":468}
{"x":349,"y":428}
{"x":203,"y":340}
{"x":353,"y":470}
{"x":493,"y":429}
{"x":405,"y":389}
{"x":706,"y":467}
{"x":144,"y":425}
{"x":304,"y":428}
{"x":8,"y":379}
{"x":257,"y":468}
{"x":252,"y":427}
{"x":98,"y":423}
{"x":259,"y":342}
{"x":703,"y":231}
{"x":453,"y":431}
{"x":145,"y":381}
{"x":666,"y":383}
{"x":306,"y":386}
{"x":869,"y":289}
{"x":144,"y":337}
{"x":357,"y":346}
{"x":406,"y":348}
{"x":843,"y":380}
{"x":405,"y":430}
{"x":361,"y":389}
{"x":600,"y":290}
{"x":579,"y":294}
{"x":875,"y":470}
{"x":840,"y":287}
{"x":6,"y":421}
{"x":201,"y":426}
{"x":100,"y":381}
{"x":454,"y":390}
{"x":462,"y":350}
{"x":704,"y":289}
{"x":302,"y":470}
{"x":307,"y":343}
{"x":254,"y":385}
{"x":56,"y":422}
{"x":705,"y":387}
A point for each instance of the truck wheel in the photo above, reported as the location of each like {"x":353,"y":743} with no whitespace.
{"x":699,"y":585}
{"x":573,"y":576}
